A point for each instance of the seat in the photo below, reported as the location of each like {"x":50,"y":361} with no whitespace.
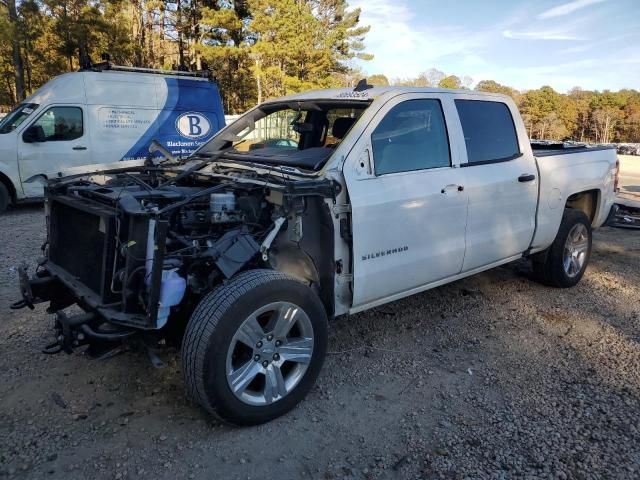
{"x":341,"y":126}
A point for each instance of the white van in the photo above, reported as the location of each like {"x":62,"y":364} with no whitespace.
{"x":103,"y":115}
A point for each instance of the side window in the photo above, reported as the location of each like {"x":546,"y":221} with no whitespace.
{"x":61,"y":124}
{"x":489,"y":131}
{"x":411,"y":136}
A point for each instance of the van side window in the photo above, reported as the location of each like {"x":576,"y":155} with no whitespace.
{"x":411,"y":136}
{"x":61,"y":124}
{"x":489,"y":131}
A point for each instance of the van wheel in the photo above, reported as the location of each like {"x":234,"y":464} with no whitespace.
{"x":254,"y":347}
{"x":563,"y":264}
{"x":5,"y":198}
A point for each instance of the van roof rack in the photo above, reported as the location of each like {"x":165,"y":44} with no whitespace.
{"x":102,"y":66}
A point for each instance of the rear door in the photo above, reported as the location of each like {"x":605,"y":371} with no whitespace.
{"x":408,"y":200}
{"x":501,"y":181}
{"x":66,"y":144}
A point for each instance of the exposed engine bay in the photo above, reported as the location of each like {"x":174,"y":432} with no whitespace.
{"x":135,"y":247}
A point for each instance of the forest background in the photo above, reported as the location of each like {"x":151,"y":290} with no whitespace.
{"x":260,"y":49}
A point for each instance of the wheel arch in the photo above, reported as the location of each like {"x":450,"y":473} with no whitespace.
{"x":310,"y":258}
{"x":6,"y":181}
{"x":587,"y":201}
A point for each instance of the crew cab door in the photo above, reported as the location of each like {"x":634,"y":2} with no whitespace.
{"x":55,"y":140}
{"x":502,"y":181}
{"x":408,"y":200}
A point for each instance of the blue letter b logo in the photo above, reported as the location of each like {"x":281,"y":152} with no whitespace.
{"x":194,"y":126}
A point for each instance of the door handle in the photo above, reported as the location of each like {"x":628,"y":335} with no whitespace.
{"x":79,"y":147}
{"x":526,"y":177}
{"x":460,"y":188}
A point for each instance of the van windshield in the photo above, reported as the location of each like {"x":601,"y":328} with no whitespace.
{"x":16,"y":117}
{"x":298,"y":134}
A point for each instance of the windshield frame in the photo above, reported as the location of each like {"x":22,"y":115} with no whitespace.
{"x":15,"y":114}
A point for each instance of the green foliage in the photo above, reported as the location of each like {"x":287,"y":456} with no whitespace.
{"x":7,"y":88}
{"x":302,"y":45}
{"x":258,"y":49}
{"x":492,"y":86}
{"x":450,"y":82}
{"x":581,"y":115}
{"x":600,"y":117}
{"x":378,"y":80}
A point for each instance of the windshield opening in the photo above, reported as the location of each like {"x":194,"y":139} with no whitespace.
{"x":299,"y":134}
{"x":16,"y":117}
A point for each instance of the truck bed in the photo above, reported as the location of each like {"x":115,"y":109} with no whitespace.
{"x":565,"y":171}
{"x":549,"y":149}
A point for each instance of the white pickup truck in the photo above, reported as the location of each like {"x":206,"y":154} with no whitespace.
{"x":308,"y":207}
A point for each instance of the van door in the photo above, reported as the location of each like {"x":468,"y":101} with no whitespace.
{"x":57,"y":139}
{"x":409,"y":212}
{"x":502,"y":183}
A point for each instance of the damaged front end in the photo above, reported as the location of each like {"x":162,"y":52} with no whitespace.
{"x":136,"y":247}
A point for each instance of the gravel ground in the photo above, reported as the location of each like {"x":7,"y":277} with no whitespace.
{"x":491,"y":377}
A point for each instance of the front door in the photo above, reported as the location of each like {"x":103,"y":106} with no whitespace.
{"x":409,"y":208}
{"x":63,"y":142}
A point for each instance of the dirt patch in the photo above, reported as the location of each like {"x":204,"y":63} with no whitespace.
{"x":491,"y":377}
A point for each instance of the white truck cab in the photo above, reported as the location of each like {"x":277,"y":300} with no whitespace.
{"x":442,"y":184}
{"x":103,"y":115}
{"x":306,"y":208}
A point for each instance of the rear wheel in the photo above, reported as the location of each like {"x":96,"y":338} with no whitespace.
{"x":253,"y":347}
{"x":5,"y":198}
{"x":563,"y":264}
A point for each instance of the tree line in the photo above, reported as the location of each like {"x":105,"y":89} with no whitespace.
{"x":257,"y":49}
{"x":580,"y":115}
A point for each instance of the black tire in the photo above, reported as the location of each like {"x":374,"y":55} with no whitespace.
{"x":5,"y":198}
{"x":548,"y":266}
{"x":211,"y":330}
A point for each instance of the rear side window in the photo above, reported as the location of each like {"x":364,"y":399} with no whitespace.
{"x":411,"y":136}
{"x":61,"y":124}
{"x":489,"y":131}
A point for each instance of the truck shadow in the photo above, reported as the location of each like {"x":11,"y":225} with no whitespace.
{"x":23,"y":208}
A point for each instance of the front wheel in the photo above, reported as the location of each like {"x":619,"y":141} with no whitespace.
{"x":563,"y":264}
{"x":5,"y":198}
{"x":254,"y":347}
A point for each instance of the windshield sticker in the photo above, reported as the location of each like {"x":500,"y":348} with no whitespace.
{"x":27,"y":110}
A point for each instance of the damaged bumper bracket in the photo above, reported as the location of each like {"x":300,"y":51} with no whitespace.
{"x":40,"y":288}
{"x":33,"y":290}
{"x":73,"y":332}
{"x":25,"y":290}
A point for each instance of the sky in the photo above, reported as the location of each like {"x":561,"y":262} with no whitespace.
{"x":593,"y":44}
